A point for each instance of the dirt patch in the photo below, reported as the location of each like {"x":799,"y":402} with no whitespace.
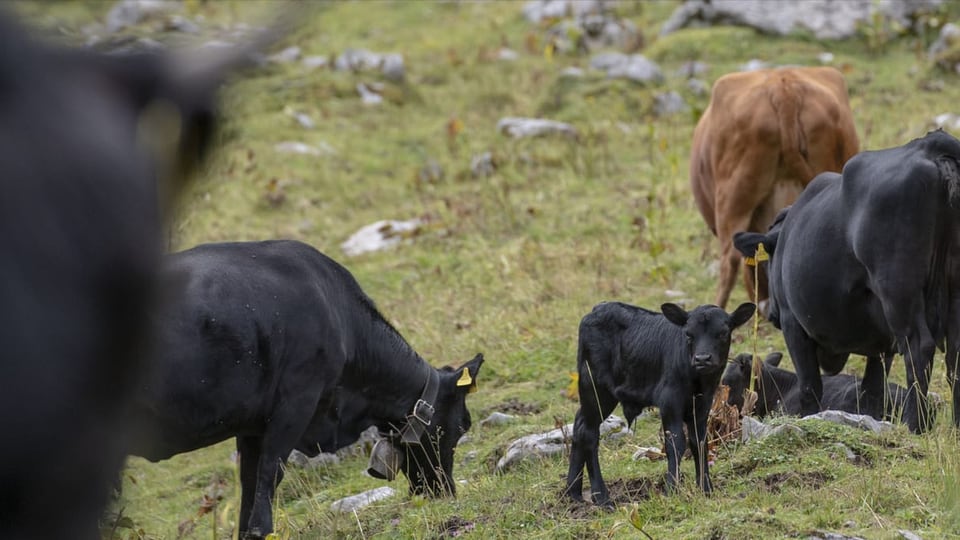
{"x":634,"y":490}
{"x":515,"y":406}
{"x":455,"y":527}
{"x":777,"y":481}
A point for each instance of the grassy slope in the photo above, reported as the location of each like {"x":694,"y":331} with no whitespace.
{"x":510,"y":263}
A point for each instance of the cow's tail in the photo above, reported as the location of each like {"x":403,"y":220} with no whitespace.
{"x":787,"y":101}
{"x":949,"y":171}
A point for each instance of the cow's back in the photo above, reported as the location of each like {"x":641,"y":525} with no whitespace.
{"x":628,"y":346}
{"x":248,"y":320}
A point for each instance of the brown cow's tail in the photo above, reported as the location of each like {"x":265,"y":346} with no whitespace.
{"x":787,"y":101}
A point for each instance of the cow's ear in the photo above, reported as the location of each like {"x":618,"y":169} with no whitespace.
{"x":675,"y":314}
{"x":742,"y":314}
{"x":773,"y":359}
{"x":747,"y":243}
{"x":744,"y":360}
{"x":467,"y":374}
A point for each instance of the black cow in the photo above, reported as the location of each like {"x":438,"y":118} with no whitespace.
{"x":265,"y":338}
{"x":642,"y":358}
{"x":86,"y":143}
{"x":866,"y":262}
{"x":778,"y":391}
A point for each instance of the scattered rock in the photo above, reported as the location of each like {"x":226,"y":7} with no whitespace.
{"x":698,"y":87}
{"x":130,"y":12}
{"x":179,"y":23}
{"x":554,"y":442}
{"x":947,"y":121}
{"x":368,"y":95}
{"x":754,"y":429}
{"x":296,"y":147}
{"x":483,"y":165}
{"x":572,"y":71}
{"x":536,"y":11}
{"x":825,"y":58}
{"x":286,"y":56}
{"x":693,"y":69}
{"x":302,"y":118}
{"x":358,"y":501}
{"x":508,"y":55}
{"x":634,"y":67}
{"x":945,"y":51}
{"x":497,"y":419}
{"x":824,"y":535}
{"x":847,"y":453}
{"x":859,"y":421}
{"x":908,"y":535}
{"x":392,"y":67}
{"x":323,"y":459}
{"x":754,"y":64}
{"x":519,"y":128}
{"x":314,"y":62}
{"x":648,"y":453}
{"x":431,"y":173}
{"x":595,"y":32}
{"x":668,"y":104}
{"x":826,"y":19}
{"x":390,"y":64}
{"x":380,"y":235}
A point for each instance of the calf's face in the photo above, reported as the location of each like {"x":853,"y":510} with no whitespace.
{"x":429,"y":465}
{"x":707,"y":331}
{"x":737,"y":378}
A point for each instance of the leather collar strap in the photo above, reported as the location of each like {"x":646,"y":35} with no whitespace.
{"x":421,"y":416}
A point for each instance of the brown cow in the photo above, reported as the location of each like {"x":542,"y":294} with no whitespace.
{"x":764,"y":136}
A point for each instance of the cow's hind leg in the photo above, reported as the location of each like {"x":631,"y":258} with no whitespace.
{"x":248,"y":449}
{"x":953,"y":357}
{"x":803,"y":353}
{"x":748,"y":184}
{"x":595,"y":405}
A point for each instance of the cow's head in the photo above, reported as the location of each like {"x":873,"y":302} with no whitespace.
{"x":707,"y":331}
{"x":428,"y":461}
{"x":737,"y":376}
{"x":748,"y":243}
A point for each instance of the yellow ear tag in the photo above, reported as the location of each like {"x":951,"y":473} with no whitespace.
{"x":465,"y":378}
{"x":761,"y":254}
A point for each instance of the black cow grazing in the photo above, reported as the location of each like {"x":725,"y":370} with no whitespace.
{"x":265,"y":338}
{"x":867,"y":262}
{"x":778,"y":391}
{"x":86,"y":143}
{"x":642,"y":358}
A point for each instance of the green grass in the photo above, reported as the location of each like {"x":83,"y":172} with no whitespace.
{"x":510,"y":263}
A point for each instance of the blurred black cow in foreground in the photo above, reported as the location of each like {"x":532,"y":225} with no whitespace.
{"x":264,"y":340}
{"x":642,"y":358}
{"x":867,"y":262}
{"x":88,"y":143}
{"x":778,"y":391}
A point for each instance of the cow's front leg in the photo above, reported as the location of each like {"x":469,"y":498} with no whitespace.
{"x":874,"y":387}
{"x":697,"y":438}
{"x":676,"y":445}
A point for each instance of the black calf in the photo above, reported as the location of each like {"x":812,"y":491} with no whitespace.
{"x":641,"y":358}
{"x":778,"y":390}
